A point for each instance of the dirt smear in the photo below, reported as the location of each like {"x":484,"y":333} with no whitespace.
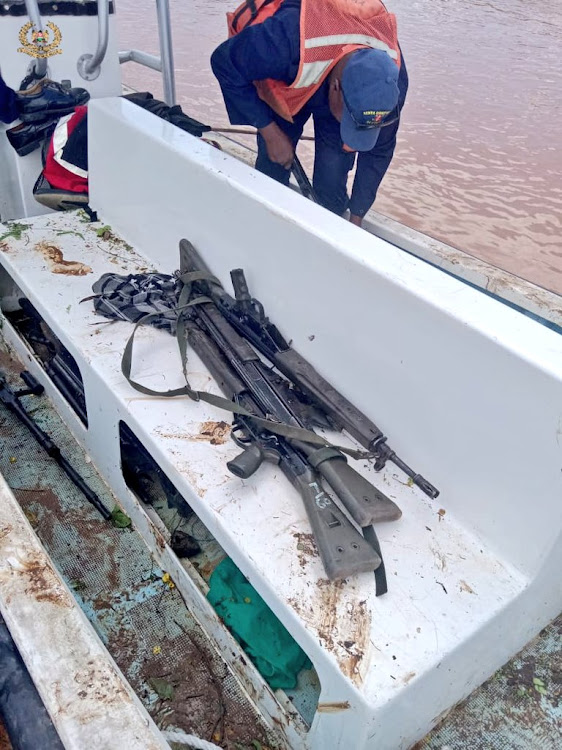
{"x":306,"y":547}
{"x":9,"y":364}
{"x":54,"y":257}
{"x":343,"y":625}
{"x":197,"y":699}
{"x":215,"y":433}
{"x":43,"y":583}
{"x":464,"y":586}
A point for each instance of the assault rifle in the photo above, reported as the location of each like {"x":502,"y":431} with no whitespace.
{"x":273,"y":424}
{"x":11,"y":400}
{"x":303,"y":182}
{"x":247,"y":316}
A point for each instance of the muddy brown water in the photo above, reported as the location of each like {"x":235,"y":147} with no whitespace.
{"x":479,"y":157}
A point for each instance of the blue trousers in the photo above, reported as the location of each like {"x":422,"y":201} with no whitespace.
{"x":8,"y":110}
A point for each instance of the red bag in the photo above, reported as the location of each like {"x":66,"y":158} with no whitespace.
{"x":63,"y":183}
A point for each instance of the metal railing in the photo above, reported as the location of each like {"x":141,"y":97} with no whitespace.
{"x":89,"y":66}
{"x":165,"y":62}
{"x":39,"y":65}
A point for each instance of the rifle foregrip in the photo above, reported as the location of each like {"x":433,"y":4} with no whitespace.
{"x":363,"y":501}
{"x":343,"y":550}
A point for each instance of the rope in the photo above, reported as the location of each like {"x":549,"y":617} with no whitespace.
{"x":189,"y":740}
{"x":244,"y":131}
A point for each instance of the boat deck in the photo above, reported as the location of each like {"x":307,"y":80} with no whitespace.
{"x":459,"y":574}
{"x":142,"y":621}
{"x":159,"y":647}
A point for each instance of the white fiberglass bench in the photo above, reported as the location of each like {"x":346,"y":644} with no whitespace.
{"x":468,"y":391}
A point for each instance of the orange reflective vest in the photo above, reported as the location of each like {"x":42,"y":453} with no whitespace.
{"x":330,"y":29}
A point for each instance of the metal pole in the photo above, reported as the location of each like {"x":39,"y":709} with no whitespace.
{"x":39,"y":65}
{"x":166,"y":51}
{"x":142,"y":58}
{"x":89,"y":66}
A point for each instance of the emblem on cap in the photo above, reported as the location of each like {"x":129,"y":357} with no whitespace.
{"x":375,"y":118}
{"x":40,"y":44}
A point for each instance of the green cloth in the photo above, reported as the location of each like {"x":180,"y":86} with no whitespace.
{"x":277,"y":656}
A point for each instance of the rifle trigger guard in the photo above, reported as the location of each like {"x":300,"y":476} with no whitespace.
{"x":324,"y":454}
{"x":241,"y":440}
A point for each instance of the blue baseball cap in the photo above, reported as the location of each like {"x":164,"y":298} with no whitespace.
{"x":370,"y":92}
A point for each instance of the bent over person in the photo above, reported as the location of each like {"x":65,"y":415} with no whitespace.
{"x":8,"y":103}
{"x":337,"y":61}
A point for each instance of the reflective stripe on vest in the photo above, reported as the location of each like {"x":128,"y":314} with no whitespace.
{"x":330,"y":29}
{"x":368,"y":41}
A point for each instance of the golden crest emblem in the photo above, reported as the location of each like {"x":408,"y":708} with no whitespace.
{"x":40,"y":43}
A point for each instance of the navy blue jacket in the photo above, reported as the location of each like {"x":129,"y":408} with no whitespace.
{"x":8,"y":110}
{"x":272,"y":50}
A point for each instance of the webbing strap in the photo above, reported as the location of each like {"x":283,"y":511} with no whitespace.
{"x":184,"y":302}
{"x":251,"y":6}
{"x":381,"y":584}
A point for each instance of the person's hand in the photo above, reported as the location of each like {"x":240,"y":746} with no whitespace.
{"x":279,"y":147}
{"x":356,"y":220}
